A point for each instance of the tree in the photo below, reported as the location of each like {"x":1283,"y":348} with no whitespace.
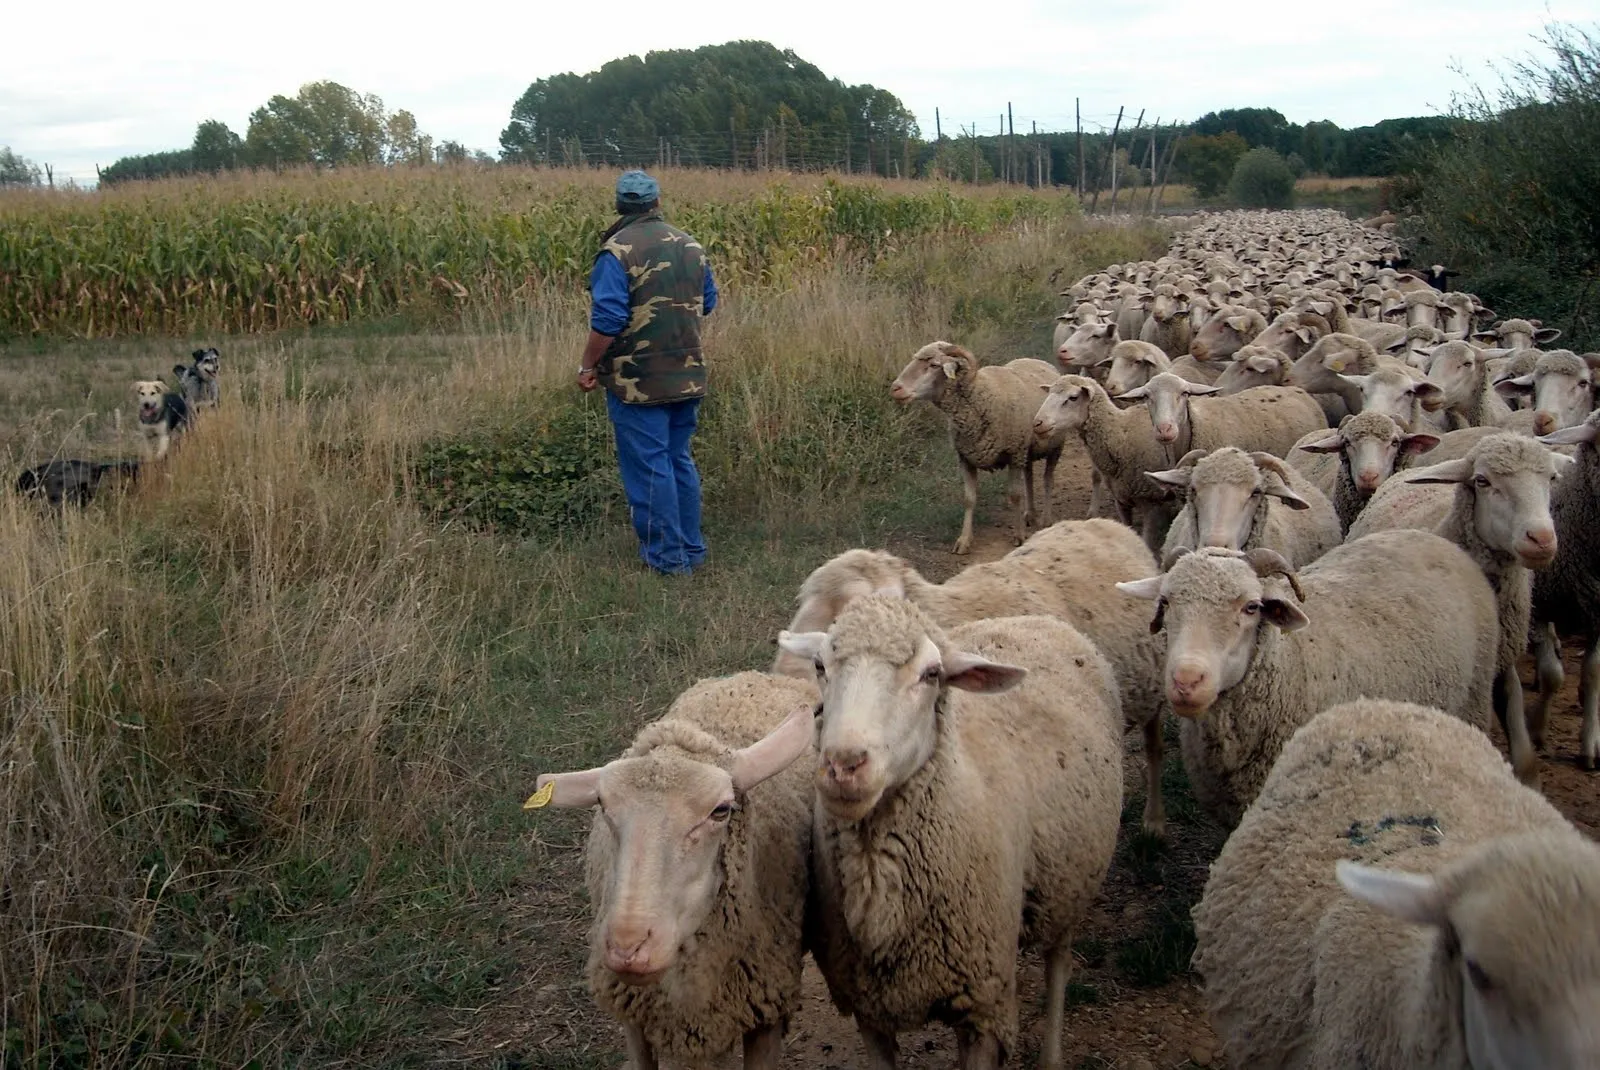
{"x":1208,"y":161}
{"x":16,"y":170}
{"x":325,"y":123}
{"x":448,"y":151}
{"x":407,"y":144}
{"x":216,"y":148}
{"x":1261,"y":179}
{"x":150,"y":166}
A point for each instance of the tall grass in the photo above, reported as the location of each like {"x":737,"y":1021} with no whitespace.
{"x":254,"y":252}
{"x":266,"y":718}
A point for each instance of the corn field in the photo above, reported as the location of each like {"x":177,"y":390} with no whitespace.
{"x":260,"y":252}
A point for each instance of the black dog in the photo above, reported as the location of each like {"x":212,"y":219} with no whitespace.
{"x":74,"y":482}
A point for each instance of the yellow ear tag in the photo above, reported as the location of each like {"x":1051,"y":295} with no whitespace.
{"x":1337,"y":366}
{"x":542,"y":797}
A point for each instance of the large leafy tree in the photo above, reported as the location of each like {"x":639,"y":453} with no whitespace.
{"x":215,"y":148}
{"x":17,"y":170}
{"x":324,"y":123}
{"x":721,"y":105}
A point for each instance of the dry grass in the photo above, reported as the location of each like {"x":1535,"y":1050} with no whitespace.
{"x":266,"y":723}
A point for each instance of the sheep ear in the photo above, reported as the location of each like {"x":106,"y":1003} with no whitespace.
{"x":1045,"y":387}
{"x":775,"y":751}
{"x":1285,"y":614}
{"x":1173,"y":477}
{"x":951,"y":369}
{"x":1563,"y":463}
{"x":569,"y":790}
{"x":802,"y":644}
{"x":970,"y":672}
{"x":1410,"y":897}
{"x":1431,"y":396}
{"x":1485,"y":336}
{"x":1357,"y":381}
{"x":1396,"y":346}
{"x":1198,"y":389}
{"x":1136,"y":394}
{"x":1458,"y":471}
{"x":1305,"y":334}
{"x":1571,"y":436}
{"x":1332,"y":444}
{"x":1288,"y":497}
{"x":1514,"y":387}
{"x":1238,"y":323}
{"x":1149,"y":588}
{"x":1546,"y":335}
{"x":1421,"y":442}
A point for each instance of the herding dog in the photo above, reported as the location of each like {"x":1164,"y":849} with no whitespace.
{"x":74,"y":482}
{"x":162,"y":414}
{"x":197,"y":380}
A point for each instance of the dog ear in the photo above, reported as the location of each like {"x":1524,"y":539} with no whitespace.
{"x":197,"y":354}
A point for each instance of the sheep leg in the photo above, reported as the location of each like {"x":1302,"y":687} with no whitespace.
{"x":1019,"y":496}
{"x":1048,"y":510}
{"x":1523,"y":759}
{"x":881,"y":1048}
{"x":1155,"y":816}
{"x":640,"y":1055}
{"x":1150,"y":530}
{"x":1096,"y":493}
{"x":979,"y":1051}
{"x":1547,"y":651}
{"x":763,"y":1048}
{"x":1589,"y":699}
{"x":1058,"y":971}
{"x":969,"y":494}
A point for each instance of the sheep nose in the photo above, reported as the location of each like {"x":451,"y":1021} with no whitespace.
{"x":1198,"y":351}
{"x":897,"y":392}
{"x":845,"y":765}
{"x":1541,"y":545}
{"x":626,"y":951}
{"x":1367,"y":480}
{"x":1166,"y":432}
{"x":1040,"y":427}
{"x":1187,"y":676}
{"x":1544,"y":422}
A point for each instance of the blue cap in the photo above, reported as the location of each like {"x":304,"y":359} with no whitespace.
{"x":636,"y":187}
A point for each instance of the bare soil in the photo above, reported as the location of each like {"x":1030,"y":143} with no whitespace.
{"x":1116,"y":1018}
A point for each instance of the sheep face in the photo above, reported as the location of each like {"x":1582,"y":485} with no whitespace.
{"x":1133,"y":364}
{"x":1252,"y":367}
{"x":1226,"y":489}
{"x":1395,"y":393}
{"x":1504,"y":919}
{"x":883,"y":670}
{"x":1371,"y":445}
{"x":148,"y":395}
{"x":1065,"y":406}
{"x":667,"y":818}
{"x":1562,"y":386}
{"x":929,"y":372}
{"x":1168,"y":304}
{"x":1510,"y":478}
{"x":1457,"y":368}
{"x":1289,"y":335}
{"x":1225,"y":333}
{"x":833,"y":585}
{"x":1213,"y":606}
{"x":1088,"y":345}
{"x":1169,"y":405}
{"x":1522,"y":334}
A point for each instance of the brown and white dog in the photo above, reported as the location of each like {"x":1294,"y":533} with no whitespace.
{"x":162,"y":414}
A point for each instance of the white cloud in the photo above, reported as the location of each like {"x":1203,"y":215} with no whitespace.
{"x":116,"y":78}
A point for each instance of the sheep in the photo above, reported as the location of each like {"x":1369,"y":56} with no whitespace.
{"x":1133,"y":364}
{"x":1562,"y":387}
{"x":1566,"y":596}
{"x":1419,"y":344}
{"x":1461,"y":371}
{"x":1401,"y":392}
{"x":1240,"y":501}
{"x":1457,"y":312}
{"x":1499,"y":513}
{"x":1518,"y":334}
{"x":1088,"y":346}
{"x":1292,"y":333}
{"x":952,"y":827}
{"x":990,"y":412}
{"x":1472,"y":947}
{"x":1320,"y":370}
{"x":1267,"y":418}
{"x":1167,"y":327}
{"x":1422,"y":308}
{"x":1066,"y":324}
{"x":1119,"y":445}
{"x":1246,"y":665}
{"x":1229,"y":329}
{"x":1353,"y":461}
{"x":1066,"y":571}
{"x":1252,"y":366}
{"x":697,"y":868}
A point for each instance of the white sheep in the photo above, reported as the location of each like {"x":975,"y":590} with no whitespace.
{"x":1267,"y":418}
{"x":1119,"y":445}
{"x":1252,"y":366}
{"x":1133,"y":364}
{"x":1566,"y":596}
{"x":1562,"y":387}
{"x":1246,"y":664}
{"x":1402,"y":392}
{"x":954,"y":824}
{"x":1229,"y":329}
{"x":1088,"y":346}
{"x":990,"y":410}
{"x":1239,"y":501}
{"x":1349,"y":464}
{"x":1462,"y":372}
{"x":1495,"y":504}
{"x":697,"y":869}
{"x":1167,"y":327}
{"x":1068,"y":571}
{"x":1518,"y":334}
{"x":1473,"y":945}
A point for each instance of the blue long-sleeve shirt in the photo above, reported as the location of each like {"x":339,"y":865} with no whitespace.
{"x":608,"y":285}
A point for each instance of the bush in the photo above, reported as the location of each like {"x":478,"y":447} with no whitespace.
{"x":1510,"y":201}
{"x":1261,"y":179}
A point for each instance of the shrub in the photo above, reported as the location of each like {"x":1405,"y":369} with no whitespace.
{"x":1208,"y":161}
{"x":1261,"y":179}
{"x":1510,"y":201}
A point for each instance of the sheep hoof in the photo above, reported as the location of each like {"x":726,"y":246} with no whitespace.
{"x":963,"y":545}
{"x":1530,"y":775}
{"x":1587,"y":761}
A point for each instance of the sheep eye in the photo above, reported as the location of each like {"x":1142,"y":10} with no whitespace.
{"x":816,"y":663}
{"x":1252,"y":608}
{"x":721,"y":812}
{"x":930,"y":675}
{"x":1479,"y":979}
{"x":1480,"y":481}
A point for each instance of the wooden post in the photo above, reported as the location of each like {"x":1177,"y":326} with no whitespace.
{"x":1011,"y":143}
{"x":733,"y":144}
{"x":1078,"y":113}
{"x":1100,"y":173}
{"x":1131,"y":139}
{"x":1172,"y":152}
{"x":938,"y":131}
{"x":49,"y":176}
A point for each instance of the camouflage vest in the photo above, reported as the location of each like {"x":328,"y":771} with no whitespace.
{"x":657,"y":357}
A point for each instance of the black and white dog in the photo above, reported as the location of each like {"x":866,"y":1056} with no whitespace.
{"x":197,"y":380}
{"x":162,"y":414}
{"x":74,"y":482}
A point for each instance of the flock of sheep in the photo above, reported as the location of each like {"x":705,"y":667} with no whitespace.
{"x":929,"y":777}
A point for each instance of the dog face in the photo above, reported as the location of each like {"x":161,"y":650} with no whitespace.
{"x":206,"y":362}
{"x":149,"y":394}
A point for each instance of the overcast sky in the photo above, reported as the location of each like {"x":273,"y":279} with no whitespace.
{"x":90,"y":82}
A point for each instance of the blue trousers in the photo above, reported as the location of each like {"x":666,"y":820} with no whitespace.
{"x":660,"y":480}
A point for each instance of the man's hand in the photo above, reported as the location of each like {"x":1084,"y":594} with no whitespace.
{"x":588,"y":379}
